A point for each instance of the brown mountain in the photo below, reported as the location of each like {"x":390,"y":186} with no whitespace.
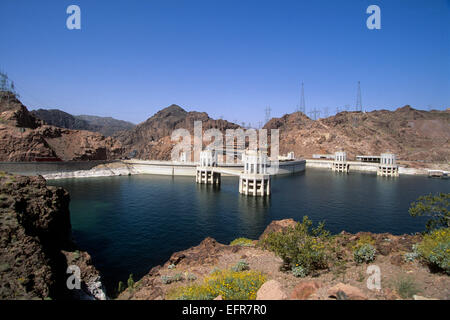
{"x":151,"y":139}
{"x":412,"y":134}
{"x":23,"y":137}
{"x":107,"y":126}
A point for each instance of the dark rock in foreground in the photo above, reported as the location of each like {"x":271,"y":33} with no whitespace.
{"x":35,"y":243}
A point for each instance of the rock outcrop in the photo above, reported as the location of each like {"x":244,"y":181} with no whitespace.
{"x":347,"y":280}
{"x":413,"y":135}
{"x":35,"y":243}
{"x":152,"y":139}
{"x":23,"y":137}
{"x":271,"y":290}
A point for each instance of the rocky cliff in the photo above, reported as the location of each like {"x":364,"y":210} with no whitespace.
{"x":413,"y":135}
{"x":151,"y":139}
{"x":35,"y":243}
{"x":23,"y":137}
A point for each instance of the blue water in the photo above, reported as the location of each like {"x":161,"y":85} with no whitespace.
{"x":131,"y":223}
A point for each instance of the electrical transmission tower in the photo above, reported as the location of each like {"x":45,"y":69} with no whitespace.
{"x":267,"y":111}
{"x":314,"y":114}
{"x":302,"y":100}
{"x":358,"y":98}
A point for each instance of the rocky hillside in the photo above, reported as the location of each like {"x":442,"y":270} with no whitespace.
{"x":35,"y":243}
{"x":343,"y":278}
{"x":151,"y":139}
{"x":413,"y":135}
{"x":23,"y":137}
{"x":107,"y":126}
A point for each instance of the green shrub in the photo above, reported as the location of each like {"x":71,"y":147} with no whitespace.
{"x":435,"y":249}
{"x":120,"y":287}
{"x":245,"y":242}
{"x":434,"y":206}
{"x":166,"y":279}
{"x":242,"y":265}
{"x":364,"y":253}
{"x":229,"y":284}
{"x":413,"y":255}
{"x":406,"y":287}
{"x":191,"y":277}
{"x":130,"y":281}
{"x":302,"y":245}
{"x":177,"y":277}
{"x":299,"y":272}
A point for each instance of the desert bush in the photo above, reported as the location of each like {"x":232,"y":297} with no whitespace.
{"x":166,"y":279}
{"x":242,"y":265}
{"x":435,"y":249}
{"x":245,"y":242}
{"x":130,"y":281}
{"x":364,"y":253}
{"x":302,"y":245}
{"x":191,"y":277}
{"x":434,"y":206}
{"x":120,"y":287}
{"x":364,"y":250}
{"x":299,"y":272}
{"x":406,"y":287}
{"x":413,"y":255}
{"x":229,"y":284}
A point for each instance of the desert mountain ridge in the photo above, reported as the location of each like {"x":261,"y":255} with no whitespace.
{"x":414,"y":135}
{"x":107,"y":126}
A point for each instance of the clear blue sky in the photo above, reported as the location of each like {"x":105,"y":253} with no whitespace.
{"x":228,"y":58}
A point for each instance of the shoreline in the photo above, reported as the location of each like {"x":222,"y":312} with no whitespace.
{"x":56,"y":171}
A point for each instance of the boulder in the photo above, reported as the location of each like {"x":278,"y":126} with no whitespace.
{"x":271,"y":290}
{"x":345,"y":290}
{"x":304,"y":290}
{"x":278,"y":226}
{"x":397,"y":260}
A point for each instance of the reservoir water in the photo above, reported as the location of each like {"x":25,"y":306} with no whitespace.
{"x":131,"y":223}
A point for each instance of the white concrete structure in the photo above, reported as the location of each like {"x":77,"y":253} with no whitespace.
{"x":290,"y":156}
{"x":388,"y":165}
{"x":254,"y":180}
{"x":340,"y":162}
{"x":205,"y":173}
{"x":373,"y":159}
{"x":323,"y":156}
{"x":183,"y":157}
